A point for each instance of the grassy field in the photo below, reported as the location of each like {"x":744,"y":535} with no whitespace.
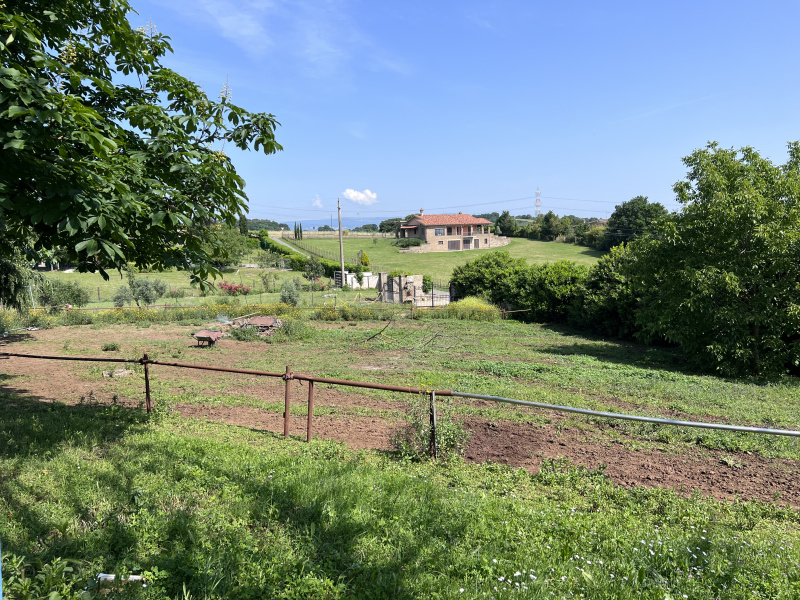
{"x":102,"y":292}
{"x":441,"y":264}
{"x":209,"y":510}
{"x":382,"y":253}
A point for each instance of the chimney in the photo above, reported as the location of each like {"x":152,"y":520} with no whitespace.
{"x":421,"y":211}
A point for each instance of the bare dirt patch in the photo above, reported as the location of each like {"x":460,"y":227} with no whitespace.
{"x":687,"y":469}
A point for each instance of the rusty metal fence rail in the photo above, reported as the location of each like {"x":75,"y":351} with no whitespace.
{"x":288,"y":376}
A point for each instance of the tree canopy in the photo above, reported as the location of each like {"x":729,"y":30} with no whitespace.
{"x":631,"y":220}
{"x":506,"y":224}
{"x":109,"y":156}
{"x":390,"y":225}
{"x":721,"y":278}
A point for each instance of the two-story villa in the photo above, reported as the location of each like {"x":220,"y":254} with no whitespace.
{"x":447,"y":233}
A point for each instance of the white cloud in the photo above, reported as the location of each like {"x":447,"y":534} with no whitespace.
{"x":365,"y":198}
{"x":317,"y":202}
{"x":242,"y":23}
{"x":320,"y":37}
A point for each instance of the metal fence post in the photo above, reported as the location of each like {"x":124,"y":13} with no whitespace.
{"x":434,"y":442}
{"x":286,"y":401}
{"x":145,"y":362}
{"x":310,"y":409}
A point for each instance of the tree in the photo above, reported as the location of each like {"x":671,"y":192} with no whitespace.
{"x":234,"y":243}
{"x":108,"y":155}
{"x":325,"y":228}
{"x":390,"y":226}
{"x":552,"y":226}
{"x":631,"y":220}
{"x":721,"y":278}
{"x":314,"y":269}
{"x":244,"y":228}
{"x":506,"y":224}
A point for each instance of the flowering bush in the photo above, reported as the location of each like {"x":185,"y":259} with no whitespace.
{"x":232,"y":289}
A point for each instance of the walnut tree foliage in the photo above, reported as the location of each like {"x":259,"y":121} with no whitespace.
{"x":108,"y":156}
{"x":722,"y":277}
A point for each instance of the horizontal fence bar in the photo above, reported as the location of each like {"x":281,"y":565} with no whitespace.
{"x":609,"y":415}
{"x":220,"y":369}
{"x":411,"y":390}
{"x":137,"y":361}
{"x":374,"y":386}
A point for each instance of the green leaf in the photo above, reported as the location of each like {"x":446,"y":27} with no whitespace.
{"x":90,"y":246}
{"x":14,"y":111}
{"x":17,"y":144}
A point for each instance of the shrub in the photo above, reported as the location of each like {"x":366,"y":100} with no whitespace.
{"x":245,"y":334}
{"x":232,"y":289}
{"x":8,"y":320}
{"x":290,"y":294}
{"x":55,"y":292}
{"x":269,"y":279}
{"x":413,"y":440}
{"x":38,"y":319}
{"x":110,"y":347}
{"x":313,"y":269}
{"x":605,"y":302}
{"x":364,"y":259}
{"x":76,"y":317}
{"x":467,"y":309}
{"x":407,"y":242}
{"x":427,"y":283}
{"x":148,"y":290}
{"x":122,"y":296}
{"x":293,"y":330}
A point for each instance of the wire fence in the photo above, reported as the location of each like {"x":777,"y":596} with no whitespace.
{"x":288,"y":376}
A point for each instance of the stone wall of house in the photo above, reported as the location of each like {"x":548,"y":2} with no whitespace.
{"x":486,"y":240}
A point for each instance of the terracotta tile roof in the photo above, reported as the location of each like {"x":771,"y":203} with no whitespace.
{"x":459,"y":219}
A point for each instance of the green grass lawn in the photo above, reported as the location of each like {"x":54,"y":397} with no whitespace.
{"x":205,"y":510}
{"x":441,"y":264}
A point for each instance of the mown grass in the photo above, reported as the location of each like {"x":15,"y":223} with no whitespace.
{"x":440,"y":265}
{"x":205,"y":510}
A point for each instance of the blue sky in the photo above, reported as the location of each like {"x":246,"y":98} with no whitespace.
{"x":462,"y":105}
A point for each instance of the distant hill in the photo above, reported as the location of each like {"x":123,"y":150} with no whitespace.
{"x":259,"y":224}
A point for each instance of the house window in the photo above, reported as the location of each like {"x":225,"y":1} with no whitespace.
{"x":441,"y":243}
{"x":454,"y":245}
{"x":486,"y":241}
{"x":449,"y":231}
{"x":439,"y":231}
